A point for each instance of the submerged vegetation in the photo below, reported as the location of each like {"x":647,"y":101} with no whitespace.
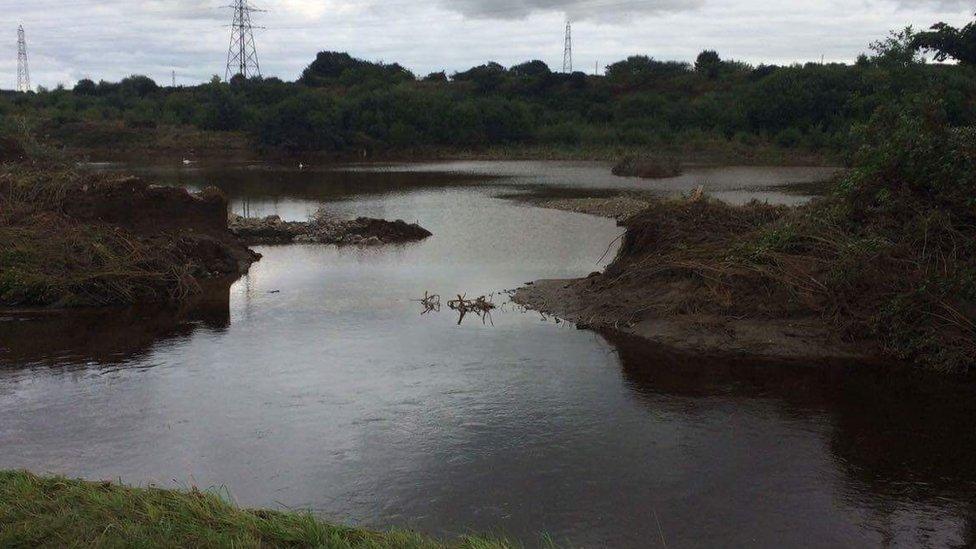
{"x":343,"y":105}
{"x":58,"y":512}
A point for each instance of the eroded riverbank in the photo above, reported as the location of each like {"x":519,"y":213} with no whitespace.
{"x":315,"y":383}
{"x":76,"y":239}
{"x":879,"y":267}
{"x":632,"y":312}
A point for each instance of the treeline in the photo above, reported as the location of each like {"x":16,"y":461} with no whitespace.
{"x":344,"y":104}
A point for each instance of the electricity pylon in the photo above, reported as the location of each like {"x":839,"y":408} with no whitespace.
{"x":242,"y":55}
{"x":23,"y":71}
{"x":568,"y":52}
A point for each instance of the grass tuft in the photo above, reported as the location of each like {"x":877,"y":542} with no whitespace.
{"x":58,"y":512}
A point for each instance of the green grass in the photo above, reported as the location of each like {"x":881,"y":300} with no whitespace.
{"x":58,"y":512}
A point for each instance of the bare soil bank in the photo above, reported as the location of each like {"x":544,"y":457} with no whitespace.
{"x":643,"y":313}
{"x":619,"y":206}
{"x":322,"y":229}
{"x":671,"y":284}
{"x":70,"y":239}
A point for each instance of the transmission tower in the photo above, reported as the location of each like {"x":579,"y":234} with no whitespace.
{"x":568,"y":52}
{"x":242,"y":55}
{"x":23,"y":72}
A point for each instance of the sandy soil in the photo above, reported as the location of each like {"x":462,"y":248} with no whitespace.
{"x":615,"y":207}
{"x":800,"y":339}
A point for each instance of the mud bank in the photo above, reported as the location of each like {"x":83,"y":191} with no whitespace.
{"x":617,"y":207}
{"x":73,"y":239}
{"x":575,"y":301}
{"x":322,"y":229}
{"x":677,"y":281}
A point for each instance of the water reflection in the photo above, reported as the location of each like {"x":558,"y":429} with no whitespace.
{"x":902,"y":440}
{"x":316,"y":383}
{"x":260,"y":189}
{"x":108,"y":337}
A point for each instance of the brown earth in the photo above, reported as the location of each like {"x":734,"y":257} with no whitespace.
{"x":11,"y":150}
{"x":198,"y":220}
{"x":579,"y":301}
{"x":71,"y":239}
{"x":322,"y":229}
{"x":618,"y":207}
{"x":672,"y":282}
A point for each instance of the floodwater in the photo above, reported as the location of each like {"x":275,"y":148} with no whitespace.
{"x":316,"y":383}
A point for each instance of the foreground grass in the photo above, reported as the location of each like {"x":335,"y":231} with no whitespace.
{"x":58,"y":512}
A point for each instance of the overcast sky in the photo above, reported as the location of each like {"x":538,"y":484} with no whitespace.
{"x":109,"y":39}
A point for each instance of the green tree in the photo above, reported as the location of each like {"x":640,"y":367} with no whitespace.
{"x":327,"y":67}
{"x":640,"y":70}
{"x":436,"y":77}
{"x":306,"y":121}
{"x":531,"y":69}
{"x":85,"y":87}
{"x":221,"y":110}
{"x":949,"y":42}
{"x":708,"y":64}
{"x":487,"y":78}
{"x":138,"y":85}
{"x":897,"y":50}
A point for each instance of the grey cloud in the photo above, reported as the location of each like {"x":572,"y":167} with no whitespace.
{"x":573,"y":9}
{"x":941,"y":4}
{"x":70,"y":39}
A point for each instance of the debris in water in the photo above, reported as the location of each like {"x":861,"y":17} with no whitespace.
{"x":480,"y":306}
{"x":322,"y":228}
{"x":431,"y":303}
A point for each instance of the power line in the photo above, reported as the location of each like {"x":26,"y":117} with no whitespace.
{"x":568,"y":51}
{"x":242,"y":55}
{"x":23,"y":71}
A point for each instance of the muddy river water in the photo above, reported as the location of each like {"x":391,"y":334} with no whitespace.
{"x":315,"y":383}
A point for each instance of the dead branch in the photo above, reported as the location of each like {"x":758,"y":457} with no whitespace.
{"x":480,"y":307}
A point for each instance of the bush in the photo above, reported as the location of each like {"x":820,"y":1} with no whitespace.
{"x":565,"y":133}
{"x":898,"y":240}
{"x":309,"y":121}
{"x":648,"y":167}
{"x":789,"y":138}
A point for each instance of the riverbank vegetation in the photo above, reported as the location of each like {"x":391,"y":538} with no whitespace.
{"x":648,"y":167}
{"x":58,"y":512}
{"x":886,"y":261}
{"x":346,"y":106}
{"x":69,"y":238}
